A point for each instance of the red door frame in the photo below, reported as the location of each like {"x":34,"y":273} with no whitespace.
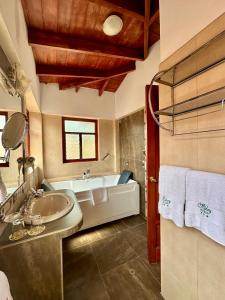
{"x":152,"y":157}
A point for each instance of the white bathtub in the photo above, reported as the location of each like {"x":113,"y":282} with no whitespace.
{"x":122,"y":200}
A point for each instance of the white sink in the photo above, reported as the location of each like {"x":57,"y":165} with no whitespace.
{"x":51,"y":206}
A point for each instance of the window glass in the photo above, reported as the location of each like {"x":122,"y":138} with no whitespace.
{"x":88,"y":146}
{"x":2,"y":121}
{"x":80,"y":140}
{"x":2,"y":150}
{"x":79,"y":126}
{"x":72,"y":146}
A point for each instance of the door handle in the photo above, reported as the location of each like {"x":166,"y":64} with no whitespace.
{"x":152,"y":179}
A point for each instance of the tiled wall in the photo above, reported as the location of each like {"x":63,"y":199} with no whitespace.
{"x":193,"y":266}
{"x":132,"y":145}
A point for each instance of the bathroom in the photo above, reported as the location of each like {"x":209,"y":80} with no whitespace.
{"x":83,"y":148}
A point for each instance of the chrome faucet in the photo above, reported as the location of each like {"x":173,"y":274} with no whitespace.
{"x":87,"y":174}
{"x":31,"y":195}
{"x":37,"y":193}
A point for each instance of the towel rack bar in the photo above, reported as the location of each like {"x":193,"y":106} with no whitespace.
{"x":189,"y":67}
{"x":200,"y":131}
{"x":191,"y":117}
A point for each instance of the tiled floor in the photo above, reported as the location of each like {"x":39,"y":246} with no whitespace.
{"x":110,"y":262}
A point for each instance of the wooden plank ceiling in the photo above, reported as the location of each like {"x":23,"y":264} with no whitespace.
{"x":71,"y":49}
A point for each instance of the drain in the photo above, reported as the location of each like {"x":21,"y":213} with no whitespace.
{"x":132,"y":272}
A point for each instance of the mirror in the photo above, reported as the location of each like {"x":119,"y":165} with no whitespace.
{"x":11,"y":137}
{"x":14,"y":132}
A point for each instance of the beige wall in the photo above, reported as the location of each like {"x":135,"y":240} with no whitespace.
{"x":52,"y":141}
{"x":193,"y":266}
{"x":180,"y":20}
{"x":13,"y":39}
{"x":36,"y":145}
{"x":130,"y":97}
{"x":87,"y":103}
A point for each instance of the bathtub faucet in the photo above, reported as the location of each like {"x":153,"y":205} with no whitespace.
{"x":87,"y":174}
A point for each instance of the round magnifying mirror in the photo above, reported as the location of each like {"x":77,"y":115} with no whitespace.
{"x":14,"y":132}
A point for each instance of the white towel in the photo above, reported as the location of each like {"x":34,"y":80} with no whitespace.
{"x":205,"y":204}
{"x":172,"y":193}
{"x":4,"y":288}
{"x":99,"y":196}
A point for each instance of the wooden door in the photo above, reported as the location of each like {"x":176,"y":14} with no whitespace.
{"x":152,"y":156}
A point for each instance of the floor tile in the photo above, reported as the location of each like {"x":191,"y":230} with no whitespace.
{"x":110,"y":262}
{"x":154,"y":268}
{"x":156,"y":271}
{"x":94,"y":234}
{"x":132,"y":280}
{"x":112,"y":251}
{"x":134,"y":220}
{"x":81,"y":276}
{"x":80,"y":239}
{"x":111,"y":228}
{"x":74,"y":254}
{"x":137,"y":238}
{"x":140,"y":230}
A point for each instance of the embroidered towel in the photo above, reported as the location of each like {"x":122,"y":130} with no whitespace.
{"x":205,"y":204}
{"x":99,"y":196}
{"x":4,"y":288}
{"x":172,"y":193}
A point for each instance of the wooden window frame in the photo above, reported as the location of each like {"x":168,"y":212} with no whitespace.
{"x":2,"y":164}
{"x":80,"y":139}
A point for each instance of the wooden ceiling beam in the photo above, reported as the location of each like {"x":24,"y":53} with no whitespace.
{"x":121,"y":70}
{"x":78,"y":83}
{"x":61,"y":71}
{"x":108,"y":75}
{"x":154,"y":18}
{"x":124,"y":7}
{"x":103,"y":87}
{"x":42,"y":38}
{"x":146,"y":27}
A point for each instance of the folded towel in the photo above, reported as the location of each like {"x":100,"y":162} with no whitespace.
{"x":4,"y":288}
{"x":99,"y":196}
{"x":205,"y":204}
{"x":172,"y":193}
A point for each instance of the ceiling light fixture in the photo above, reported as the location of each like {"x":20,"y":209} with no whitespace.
{"x":112,"y":25}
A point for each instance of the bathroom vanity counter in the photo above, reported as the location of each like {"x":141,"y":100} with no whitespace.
{"x":63,"y":227}
{"x":38,"y":260}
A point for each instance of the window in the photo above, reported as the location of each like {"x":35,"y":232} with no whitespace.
{"x":3,"y":119}
{"x":80,"y":139}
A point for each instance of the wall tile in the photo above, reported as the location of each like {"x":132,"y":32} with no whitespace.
{"x":179,"y":261}
{"x":178,"y":151}
{"x":211,"y":262}
{"x":211,"y":152}
{"x":132,"y":144}
{"x":193,"y":266}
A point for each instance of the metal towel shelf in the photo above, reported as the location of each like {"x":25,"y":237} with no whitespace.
{"x":191,"y":66}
